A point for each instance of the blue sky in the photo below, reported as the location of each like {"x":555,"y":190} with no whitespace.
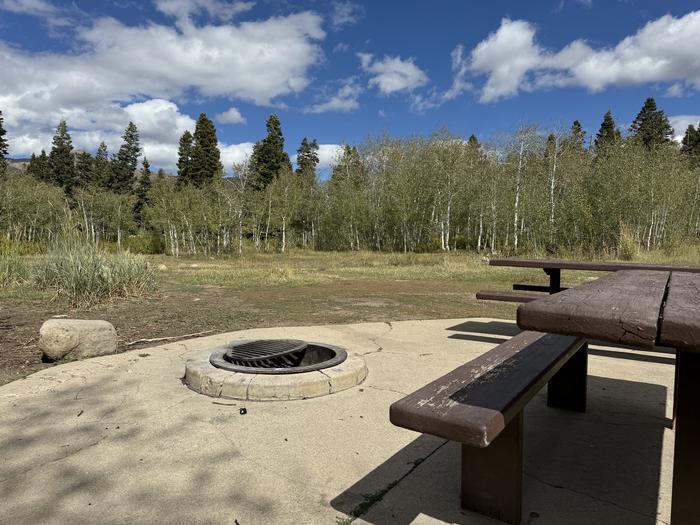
{"x":338,"y":71}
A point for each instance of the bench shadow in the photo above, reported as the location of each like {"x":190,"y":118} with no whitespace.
{"x":604,"y":464}
{"x":496,"y":332}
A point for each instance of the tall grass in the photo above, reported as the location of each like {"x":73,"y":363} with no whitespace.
{"x":13,"y":271}
{"x":86,"y":275}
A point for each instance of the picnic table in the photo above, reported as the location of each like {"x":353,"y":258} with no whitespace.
{"x":554,"y":267}
{"x":642,"y":308}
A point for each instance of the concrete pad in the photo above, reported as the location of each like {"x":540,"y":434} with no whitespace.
{"x":121,"y":439}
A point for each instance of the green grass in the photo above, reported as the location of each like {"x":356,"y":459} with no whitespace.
{"x":86,"y":276}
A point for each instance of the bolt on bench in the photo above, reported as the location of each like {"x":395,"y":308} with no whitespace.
{"x":480,"y":404}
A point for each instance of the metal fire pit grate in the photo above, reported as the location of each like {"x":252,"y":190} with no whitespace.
{"x":263,"y":349}
{"x":276,"y":356}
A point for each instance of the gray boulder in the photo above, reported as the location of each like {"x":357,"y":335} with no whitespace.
{"x":76,"y":338}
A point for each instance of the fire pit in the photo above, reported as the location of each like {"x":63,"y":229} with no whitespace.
{"x":274,"y":369}
{"x":276,"y":356}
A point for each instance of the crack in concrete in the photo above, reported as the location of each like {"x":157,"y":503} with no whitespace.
{"x":372,"y":499}
{"x":595,"y":498}
{"x":330,"y":386}
{"x":387,"y":390}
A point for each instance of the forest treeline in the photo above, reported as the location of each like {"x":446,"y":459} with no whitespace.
{"x":530,"y":192}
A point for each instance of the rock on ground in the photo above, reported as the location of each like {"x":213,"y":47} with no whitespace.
{"x":76,"y":338}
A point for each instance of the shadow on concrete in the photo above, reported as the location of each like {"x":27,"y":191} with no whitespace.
{"x":496,"y":332}
{"x":599,"y":467}
{"x":89,"y":471}
{"x":487,"y":327}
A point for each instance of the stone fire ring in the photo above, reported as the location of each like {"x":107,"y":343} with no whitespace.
{"x":204,"y":378}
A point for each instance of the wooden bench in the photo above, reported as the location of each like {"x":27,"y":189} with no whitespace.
{"x":511,"y":297}
{"x":553,"y":268}
{"x":480,"y":404}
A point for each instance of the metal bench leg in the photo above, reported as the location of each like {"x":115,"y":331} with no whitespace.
{"x":554,"y":279}
{"x":492,"y":477}
{"x":567,"y":388}
{"x":686,"y":460}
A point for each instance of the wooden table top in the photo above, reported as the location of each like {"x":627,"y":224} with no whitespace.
{"x":680,"y":325}
{"x":598,"y":266}
{"x":622,"y":307}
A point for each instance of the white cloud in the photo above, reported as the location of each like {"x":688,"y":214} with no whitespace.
{"x":346,"y":13}
{"x":345,"y":99}
{"x":392,"y":74}
{"x":676,"y":90}
{"x":341,"y":47}
{"x":231,"y":116}
{"x":328,"y":155}
{"x":29,"y":7}
{"x":680,"y":124}
{"x":435,"y":98}
{"x":218,"y":9}
{"x":506,"y":56}
{"x":660,"y":52}
{"x":125,"y":72}
{"x":235,"y":153}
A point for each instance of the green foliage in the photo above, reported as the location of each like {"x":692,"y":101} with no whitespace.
{"x":86,"y":275}
{"x":13,"y":270}
{"x":142,"y":190}
{"x":269,"y":158}
{"x":204,"y":164}
{"x":627,"y":248}
{"x":651,"y":126}
{"x":84,"y":169}
{"x":184,"y":157}
{"x":124,"y":164}
{"x":526,"y":193}
{"x":691,"y":144}
{"x":102,"y":167}
{"x":608,"y":134}
{"x":307,"y":159}
{"x":61,"y":162}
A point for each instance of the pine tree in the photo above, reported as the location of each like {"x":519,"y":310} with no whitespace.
{"x":101,"y":166}
{"x":38,"y":167}
{"x":124,"y":164}
{"x":184,"y":157}
{"x":577,"y":137}
{"x":269,"y":157}
{"x":690,"y":145}
{"x":608,"y":133}
{"x":307,"y":159}
{"x":205,"y":163}
{"x":473,"y":143}
{"x":651,"y":125}
{"x":142,"y":191}
{"x":61,"y":161}
{"x":84,"y":169}
{"x":4,"y":148}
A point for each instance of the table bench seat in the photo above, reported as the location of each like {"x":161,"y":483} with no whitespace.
{"x":534,"y":287}
{"x":480,"y":404}
{"x":510,"y":297}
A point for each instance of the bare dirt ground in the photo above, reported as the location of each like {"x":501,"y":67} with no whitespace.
{"x":275,"y":290}
{"x":206,"y":307}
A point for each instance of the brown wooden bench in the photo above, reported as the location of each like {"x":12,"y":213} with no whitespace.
{"x":480,"y":404}
{"x":511,"y":297}
{"x":553,"y":268}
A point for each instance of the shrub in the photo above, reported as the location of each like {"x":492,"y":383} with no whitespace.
{"x":13,"y":271}
{"x":627,"y":248}
{"x":86,"y":275}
